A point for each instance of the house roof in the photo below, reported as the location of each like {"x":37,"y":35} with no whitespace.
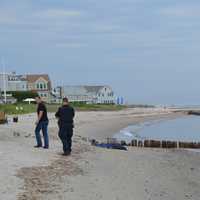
{"x":81,"y":90}
{"x":31,"y":78}
{"x":93,"y":89}
{"x":74,"y":90}
{"x":12,"y":77}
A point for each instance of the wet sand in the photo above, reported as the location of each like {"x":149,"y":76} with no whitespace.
{"x":93,"y":173}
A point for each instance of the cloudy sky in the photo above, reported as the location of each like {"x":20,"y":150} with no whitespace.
{"x":148,"y":50}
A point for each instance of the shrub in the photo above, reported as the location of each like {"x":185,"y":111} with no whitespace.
{"x":21,"y":95}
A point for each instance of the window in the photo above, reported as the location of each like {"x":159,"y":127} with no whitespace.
{"x":38,"y":86}
{"x":41,"y":86}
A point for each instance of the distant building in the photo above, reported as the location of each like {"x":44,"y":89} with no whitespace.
{"x":13,"y":82}
{"x":41,"y":84}
{"x":9,"y":99}
{"x":89,"y":94}
{"x":2,"y":82}
{"x":56,"y":96}
{"x":17,"y":82}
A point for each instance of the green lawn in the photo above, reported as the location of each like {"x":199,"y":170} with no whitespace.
{"x":22,"y":108}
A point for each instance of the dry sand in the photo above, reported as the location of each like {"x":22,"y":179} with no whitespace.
{"x":92,"y":173}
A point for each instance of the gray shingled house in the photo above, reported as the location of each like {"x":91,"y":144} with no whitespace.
{"x":89,"y":94}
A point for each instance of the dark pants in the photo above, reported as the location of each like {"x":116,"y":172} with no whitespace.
{"x":65,"y":135}
{"x":44,"y":127}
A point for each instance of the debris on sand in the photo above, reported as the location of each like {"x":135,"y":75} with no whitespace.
{"x":43,"y":180}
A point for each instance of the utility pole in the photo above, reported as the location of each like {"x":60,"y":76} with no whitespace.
{"x":4,"y":81}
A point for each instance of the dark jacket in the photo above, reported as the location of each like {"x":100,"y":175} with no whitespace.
{"x":65,"y":114}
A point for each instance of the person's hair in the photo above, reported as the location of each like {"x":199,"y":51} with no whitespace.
{"x":65,"y":100}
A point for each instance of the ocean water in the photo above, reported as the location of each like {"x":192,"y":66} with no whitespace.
{"x":181,"y":129}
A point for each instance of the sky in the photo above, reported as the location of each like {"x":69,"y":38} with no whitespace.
{"x":148,"y":51}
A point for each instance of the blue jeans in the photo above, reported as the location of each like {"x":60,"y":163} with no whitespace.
{"x":44,"y":127}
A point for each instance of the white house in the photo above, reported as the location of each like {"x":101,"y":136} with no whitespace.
{"x":89,"y":94}
{"x":17,"y":82}
{"x":13,"y":82}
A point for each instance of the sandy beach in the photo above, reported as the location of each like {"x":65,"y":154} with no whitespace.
{"x":93,"y":173}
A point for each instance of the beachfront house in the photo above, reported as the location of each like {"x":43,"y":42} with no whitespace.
{"x":5,"y":85}
{"x":89,"y":94}
{"x":17,"y":82}
{"x":13,"y":82}
{"x":41,"y":84}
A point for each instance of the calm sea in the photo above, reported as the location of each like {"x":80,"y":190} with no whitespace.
{"x":182,"y":129}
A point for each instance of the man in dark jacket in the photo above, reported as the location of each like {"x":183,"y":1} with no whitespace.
{"x":41,"y":124}
{"x":65,"y":115}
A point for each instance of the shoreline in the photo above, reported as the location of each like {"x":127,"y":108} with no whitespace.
{"x":27,"y":173}
{"x":102,"y":129}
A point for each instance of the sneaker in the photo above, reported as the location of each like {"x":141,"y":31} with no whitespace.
{"x":45,"y":147}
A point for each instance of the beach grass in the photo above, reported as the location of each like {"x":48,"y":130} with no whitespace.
{"x":24,"y":108}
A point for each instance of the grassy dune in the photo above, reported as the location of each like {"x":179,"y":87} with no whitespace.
{"x":22,"y":108}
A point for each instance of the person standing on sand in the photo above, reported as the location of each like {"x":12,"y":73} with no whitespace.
{"x":65,"y":115}
{"x":41,"y":124}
